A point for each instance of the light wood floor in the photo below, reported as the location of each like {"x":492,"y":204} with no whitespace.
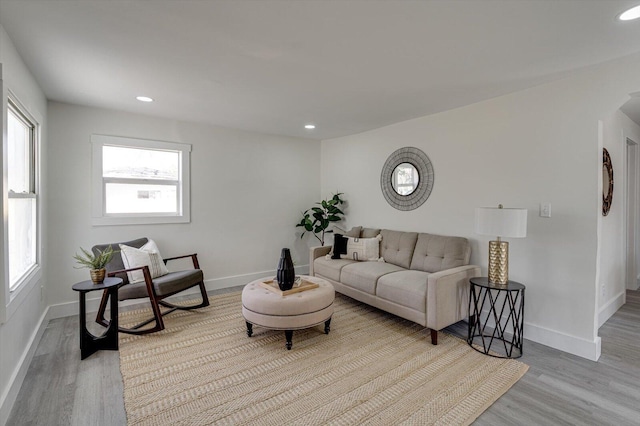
{"x":558,"y":389}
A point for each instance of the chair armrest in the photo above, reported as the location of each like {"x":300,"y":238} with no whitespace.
{"x":448,"y":295}
{"x":316,"y":252}
{"x":194,"y":258}
{"x":120,"y":271}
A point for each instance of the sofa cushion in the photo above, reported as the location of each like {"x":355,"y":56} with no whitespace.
{"x":353,"y":232}
{"x":369,"y":232}
{"x":339,"y":246}
{"x":406,"y":288}
{"x":397,"y":247}
{"x":364,"y":275}
{"x":435,"y":253}
{"x":367,"y":249}
{"x":330,"y":268}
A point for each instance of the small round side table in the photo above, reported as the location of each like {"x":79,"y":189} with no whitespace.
{"x":496,"y":314}
{"x":109,"y":340}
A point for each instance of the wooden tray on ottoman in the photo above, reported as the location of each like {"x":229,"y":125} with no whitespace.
{"x":271,"y":285}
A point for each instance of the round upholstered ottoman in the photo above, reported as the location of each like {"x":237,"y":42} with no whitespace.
{"x":295,"y":311}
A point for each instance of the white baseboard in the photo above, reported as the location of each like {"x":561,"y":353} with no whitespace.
{"x":611,"y":307}
{"x":68,"y":309}
{"x":574,"y":345}
{"x":15,"y":382}
{"x":555,"y":339}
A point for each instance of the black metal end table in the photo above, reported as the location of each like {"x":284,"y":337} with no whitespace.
{"x":495,"y":312}
{"x":109,"y":340}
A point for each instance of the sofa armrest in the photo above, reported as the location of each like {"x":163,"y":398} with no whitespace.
{"x":448,"y":295}
{"x":316,"y":252}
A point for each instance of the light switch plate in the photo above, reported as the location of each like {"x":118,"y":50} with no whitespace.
{"x":545,"y":209}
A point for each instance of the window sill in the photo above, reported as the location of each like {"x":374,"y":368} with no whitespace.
{"x":138,"y":220}
{"x":19,"y":295}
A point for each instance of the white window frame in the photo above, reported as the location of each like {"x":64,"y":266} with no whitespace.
{"x":99,"y":215}
{"x":11,"y":299}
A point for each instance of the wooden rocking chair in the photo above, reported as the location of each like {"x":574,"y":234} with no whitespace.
{"x":156,"y":289}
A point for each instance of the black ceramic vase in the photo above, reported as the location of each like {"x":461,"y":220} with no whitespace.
{"x":286,"y":274}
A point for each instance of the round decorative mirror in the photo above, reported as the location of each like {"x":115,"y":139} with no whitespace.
{"x":407,"y":178}
{"x":607,"y":182}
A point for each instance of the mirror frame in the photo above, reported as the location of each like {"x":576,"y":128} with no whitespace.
{"x":423,"y":165}
{"x":607,"y":192}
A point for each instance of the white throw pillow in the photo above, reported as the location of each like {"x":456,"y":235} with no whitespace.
{"x":148,"y":255}
{"x":363,"y":249}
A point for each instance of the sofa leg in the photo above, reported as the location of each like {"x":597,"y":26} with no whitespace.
{"x":434,"y":337}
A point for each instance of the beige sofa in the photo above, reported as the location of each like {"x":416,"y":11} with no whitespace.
{"x":424,"y":277}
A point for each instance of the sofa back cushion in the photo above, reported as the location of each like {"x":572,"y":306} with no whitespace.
{"x":369,"y":232}
{"x":397,"y":247}
{"x":435,"y":253}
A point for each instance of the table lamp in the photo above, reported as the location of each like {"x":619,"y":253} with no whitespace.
{"x":500,"y":222}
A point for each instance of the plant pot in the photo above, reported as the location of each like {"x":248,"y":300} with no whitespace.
{"x":97,"y":275}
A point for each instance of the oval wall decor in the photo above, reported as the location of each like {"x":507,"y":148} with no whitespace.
{"x":407,"y":178}
{"x":607,"y":182}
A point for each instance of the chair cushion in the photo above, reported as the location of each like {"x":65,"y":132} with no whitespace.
{"x":165,"y":285}
{"x":397,"y":247}
{"x":116,"y":261}
{"x":364,"y":275}
{"x":406,"y":288}
{"x":435,"y":253}
{"x":147,"y":255}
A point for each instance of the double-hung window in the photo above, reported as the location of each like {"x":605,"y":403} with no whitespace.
{"x":22,"y":218}
{"x":139,"y":181}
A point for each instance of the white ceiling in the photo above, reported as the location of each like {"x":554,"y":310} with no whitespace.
{"x":272,"y":66}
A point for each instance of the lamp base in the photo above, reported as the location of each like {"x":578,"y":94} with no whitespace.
{"x":498,"y":262}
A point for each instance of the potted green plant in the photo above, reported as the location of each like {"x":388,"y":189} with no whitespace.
{"x":318,"y":219}
{"x":95,"y":262}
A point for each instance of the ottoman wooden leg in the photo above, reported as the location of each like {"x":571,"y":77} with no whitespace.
{"x":327,"y":325}
{"x":288,"y":334}
{"x":249,"y":329}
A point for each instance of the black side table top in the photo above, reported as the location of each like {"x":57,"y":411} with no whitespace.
{"x":509,"y":286}
{"x":88,"y":285}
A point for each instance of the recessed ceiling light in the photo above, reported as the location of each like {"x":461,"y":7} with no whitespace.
{"x":309,"y":126}
{"x":144,"y":99}
{"x":630,"y":14}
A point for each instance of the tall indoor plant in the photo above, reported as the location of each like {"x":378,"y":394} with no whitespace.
{"x":318,"y":219}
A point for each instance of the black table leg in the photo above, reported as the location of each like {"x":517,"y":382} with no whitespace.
{"x":89,"y":343}
{"x":249,"y":329}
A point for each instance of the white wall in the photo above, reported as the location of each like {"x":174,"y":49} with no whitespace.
{"x":24,"y":311}
{"x":247,"y":191}
{"x":537,"y":145}
{"x":631,"y":130}
{"x":610,"y":275}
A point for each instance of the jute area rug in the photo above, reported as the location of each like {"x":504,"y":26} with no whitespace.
{"x":372,"y":368}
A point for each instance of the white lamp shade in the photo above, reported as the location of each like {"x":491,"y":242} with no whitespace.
{"x":501,"y":222}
